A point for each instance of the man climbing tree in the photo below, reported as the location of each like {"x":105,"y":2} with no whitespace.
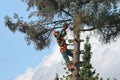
{"x":63,"y":46}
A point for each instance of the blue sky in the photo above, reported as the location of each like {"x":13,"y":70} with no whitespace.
{"x":15,"y":55}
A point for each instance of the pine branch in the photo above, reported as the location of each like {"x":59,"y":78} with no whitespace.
{"x":67,"y":12}
{"x":51,"y":31}
{"x":59,"y":21}
{"x":88,"y":29}
{"x":84,"y":2}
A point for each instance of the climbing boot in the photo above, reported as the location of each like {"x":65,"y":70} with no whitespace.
{"x":70,"y":66}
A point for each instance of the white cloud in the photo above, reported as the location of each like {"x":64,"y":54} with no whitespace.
{"x":47,"y":69}
{"x":26,"y":76}
{"x":105,"y":59}
{"x":49,"y":66}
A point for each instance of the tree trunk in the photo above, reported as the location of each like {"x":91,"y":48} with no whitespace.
{"x":76,"y":56}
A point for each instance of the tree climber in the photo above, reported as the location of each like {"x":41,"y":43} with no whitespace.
{"x":63,"y":46}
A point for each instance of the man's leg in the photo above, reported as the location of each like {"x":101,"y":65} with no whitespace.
{"x":69,"y":53}
{"x":66,"y":58}
{"x":70,"y":63}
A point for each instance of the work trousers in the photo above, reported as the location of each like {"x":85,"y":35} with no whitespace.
{"x":65,"y":55}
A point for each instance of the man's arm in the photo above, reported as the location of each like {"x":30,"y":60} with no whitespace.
{"x":63,"y":31}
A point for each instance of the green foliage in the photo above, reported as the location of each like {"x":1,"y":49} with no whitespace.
{"x":100,"y":15}
{"x":35,"y":33}
{"x":12,"y":26}
{"x":86,"y":70}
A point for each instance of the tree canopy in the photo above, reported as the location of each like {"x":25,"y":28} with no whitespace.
{"x":101,"y":16}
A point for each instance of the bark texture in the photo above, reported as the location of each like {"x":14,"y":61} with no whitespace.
{"x":76,"y":54}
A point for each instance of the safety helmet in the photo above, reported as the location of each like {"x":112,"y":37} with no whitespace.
{"x":56,"y":33}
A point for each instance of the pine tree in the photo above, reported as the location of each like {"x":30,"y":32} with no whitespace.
{"x":56,"y":78}
{"x":86,"y":70}
{"x":101,"y":16}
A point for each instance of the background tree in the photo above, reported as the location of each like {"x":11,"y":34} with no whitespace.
{"x":56,"y":77}
{"x":87,"y":72}
{"x":101,"y":16}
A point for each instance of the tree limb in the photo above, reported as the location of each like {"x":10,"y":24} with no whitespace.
{"x":59,"y":21}
{"x":67,"y":12}
{"x":52,"y":30}
{"x":88,"y":29}
{"x":84,"y":2}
